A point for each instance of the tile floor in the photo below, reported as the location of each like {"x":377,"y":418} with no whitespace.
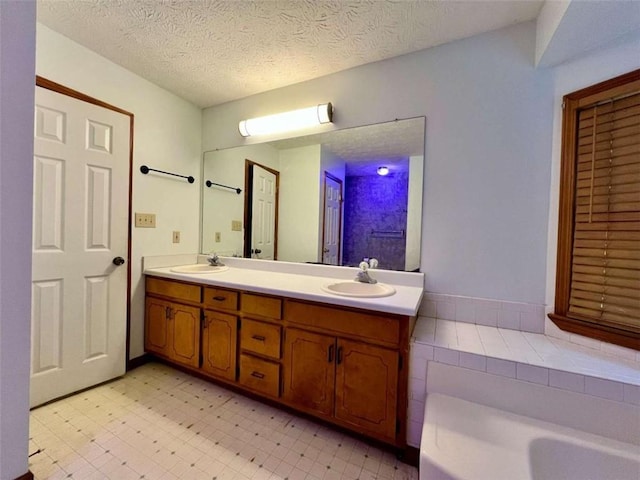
{"x":157,"y":423}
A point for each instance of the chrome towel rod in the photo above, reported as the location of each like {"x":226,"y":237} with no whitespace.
{"x":209,"y":183}
{"x":144,"y":169}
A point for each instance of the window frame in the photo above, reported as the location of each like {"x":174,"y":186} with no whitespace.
{"x":572,"y":104}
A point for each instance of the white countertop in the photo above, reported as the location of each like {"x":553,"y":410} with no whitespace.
{"x":299,"y":281}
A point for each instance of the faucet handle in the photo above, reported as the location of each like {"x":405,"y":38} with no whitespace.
{"x":364,"y":266}
{"x":373,"y":263}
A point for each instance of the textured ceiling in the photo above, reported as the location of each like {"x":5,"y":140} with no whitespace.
{"x":365,"y":148}
{"x":213,"y":51}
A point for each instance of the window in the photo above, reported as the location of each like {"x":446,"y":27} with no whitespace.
{"x":598,"y":269}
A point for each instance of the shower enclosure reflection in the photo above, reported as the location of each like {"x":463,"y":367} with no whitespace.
{"x":332,"y":205}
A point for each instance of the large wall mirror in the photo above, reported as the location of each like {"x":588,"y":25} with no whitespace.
{"x":321,"y":198}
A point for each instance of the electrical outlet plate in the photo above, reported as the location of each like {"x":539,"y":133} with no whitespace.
{"x":176,"y":236}
{"x":145,"y":220}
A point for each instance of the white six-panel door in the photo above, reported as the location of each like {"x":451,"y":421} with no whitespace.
{"x":263,"y":219}
{"x":80,"y":224}
{"x":332,"y":220}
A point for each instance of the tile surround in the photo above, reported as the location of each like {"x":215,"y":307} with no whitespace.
{"x":156,"y":423}
{"x":612,"y":374}
{"x":526,"y":317}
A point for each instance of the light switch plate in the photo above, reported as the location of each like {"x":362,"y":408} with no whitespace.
{"x":217,"y":236}
{"x":176,"y":236}
{"x":236,"y":225}
{"x":145,"y":220}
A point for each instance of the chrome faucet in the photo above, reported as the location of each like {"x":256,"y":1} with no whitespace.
{"x":363,"y":274}
{"x":214,"y":261}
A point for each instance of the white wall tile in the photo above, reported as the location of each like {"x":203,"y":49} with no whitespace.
{"x":566,"y":380}
{"x":509,"y":319}
{"x":604,"y":388}
{"x":427,"y":308}
{"x":487,"y":315}
{"x":465,"y":310}
{"x":446,"y":310}
{"x":444,"y":355}
{"x":414,"y":432}
{"x":533,"y":374}
{"x":416,"y":410}
{"x":532,"y":322}
{"x":417,"y":389}
{"x":473,"y":361}
{"x":504,"y":368}
{"x":632,"y":394}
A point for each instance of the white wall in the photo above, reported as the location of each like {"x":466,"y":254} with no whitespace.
{"x":167,"y":137}
{"x":567,"y":78}
{"x":299,"y":204}
{"x":17,"y":67}
{"x":221,"y":206}
{"x":487,"y":157}
{"x":414,"y":213}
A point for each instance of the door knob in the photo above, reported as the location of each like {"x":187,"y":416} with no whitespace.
{"x":118,"y":261}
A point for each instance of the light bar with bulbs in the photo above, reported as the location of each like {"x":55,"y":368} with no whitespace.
{"x":285,"y":121}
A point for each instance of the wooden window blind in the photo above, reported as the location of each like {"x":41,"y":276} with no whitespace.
{"x":598,"y":277}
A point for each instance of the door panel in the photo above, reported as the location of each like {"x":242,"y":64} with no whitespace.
{"x":156,"y":335}
{"x":332,"y":220}
{"x":309,"y":370}
{"x":263,"y":220}
{"x":367,"y":387}
{"x":80,"y":223}
{"x":184,"y":334}
{"x":219,"y":342}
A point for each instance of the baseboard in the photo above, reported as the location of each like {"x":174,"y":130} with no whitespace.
{"x":26,"y":476}
{"x":138,"y":361}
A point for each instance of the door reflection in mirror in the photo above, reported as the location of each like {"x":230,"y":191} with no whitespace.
{"x":331,"y":206}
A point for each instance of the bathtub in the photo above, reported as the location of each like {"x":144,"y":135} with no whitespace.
{"x":462,"y":440}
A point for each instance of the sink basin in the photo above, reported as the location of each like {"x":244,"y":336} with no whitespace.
{"x":199,"y":268}
{"x":351,"y":288}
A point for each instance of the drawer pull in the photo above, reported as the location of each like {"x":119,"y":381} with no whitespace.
{"x":257,"y":374}
{"x":330,"y":354}
{"x":219,"y":298}
{"x":260,"y":338}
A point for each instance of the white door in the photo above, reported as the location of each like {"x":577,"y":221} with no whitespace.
{"x":263,"y":215}
{"x":332,"y":220}
{"x":80,"y":225}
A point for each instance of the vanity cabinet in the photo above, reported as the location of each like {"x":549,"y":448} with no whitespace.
{"x":173,"y":330}
{"x":340,"y":364}
{"x":353,"y":382}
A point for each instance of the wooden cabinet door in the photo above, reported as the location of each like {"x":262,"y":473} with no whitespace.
{"x":184,"y":334}
{"x":219,"y":339}
{"x":367,"y":387}
{"x":155,"y":326}
{"x":309,"y":371}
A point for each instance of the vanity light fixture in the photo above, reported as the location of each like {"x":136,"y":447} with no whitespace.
{"x":382,"y":171}
{"x":292,"y":120}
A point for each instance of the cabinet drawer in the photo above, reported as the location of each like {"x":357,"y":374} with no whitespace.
{"x":270,"y":307}
{"x":220,"y":298}
{"x":260,"y":375}
{"x":259,"y":337}
{"x":168,"y":288}
{"x":344,"y":322}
